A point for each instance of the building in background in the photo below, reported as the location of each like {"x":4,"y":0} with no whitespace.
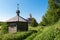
{"x":30,"y":18}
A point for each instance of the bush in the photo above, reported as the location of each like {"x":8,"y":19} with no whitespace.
{"x":34,"y":23}
{"x":4,"y":27}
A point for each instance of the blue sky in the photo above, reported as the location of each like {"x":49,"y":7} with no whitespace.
{"x":36,"y":7}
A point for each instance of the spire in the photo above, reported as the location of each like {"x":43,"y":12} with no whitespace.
{"x":30,"y":15}
{"x":17,"y":11}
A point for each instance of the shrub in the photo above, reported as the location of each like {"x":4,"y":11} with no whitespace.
{"x":4,"y":27}
{"x":34,"y":23}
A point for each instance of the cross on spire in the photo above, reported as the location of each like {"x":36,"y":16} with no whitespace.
{"x":17,"y":6}
{"x":17,"y":11}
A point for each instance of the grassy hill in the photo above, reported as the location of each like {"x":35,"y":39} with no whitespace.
{"x":47,"y":33}
{"x":35,"y":33}
{"x":50,"y":33}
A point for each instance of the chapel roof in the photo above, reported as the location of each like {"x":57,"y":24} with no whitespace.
{"x":16,"y":19}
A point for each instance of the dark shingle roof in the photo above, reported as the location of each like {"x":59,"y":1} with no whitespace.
{"x":15,"y":19}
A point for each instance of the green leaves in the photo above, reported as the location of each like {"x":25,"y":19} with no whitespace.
{"x":52,"y":15}
{"x":34,"y":22}
{"x":4,"y":27}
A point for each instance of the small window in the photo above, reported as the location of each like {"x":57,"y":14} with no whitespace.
{"x":12,"y":25}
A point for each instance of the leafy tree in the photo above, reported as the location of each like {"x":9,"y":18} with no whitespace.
{"x":45,"y":22}
{"x":34,"y":22}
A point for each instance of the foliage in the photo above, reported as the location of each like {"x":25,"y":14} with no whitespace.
{"x":50,"y":33}
{"x":31,"y":37}
{"x":17,"y":36}
{"x":34,"y":22}
{"x":0,"y":23}
{"x":4,"y":27}
{"x":43,"y":33}
{"x":39,"y":31}
{"x":52,"y":15}
{"x":44,"y":22}
{"x":0,"y":36}
{"x":57,"y":37}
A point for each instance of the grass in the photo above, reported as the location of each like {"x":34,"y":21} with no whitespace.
{"x":0,"y":27}
{"x":36,"y":28}
{"x":45,"y":33}
{"x":31,"y":36}
{"x":37,"y":33}
{"x":50,"y":33}
{"x":17,"y":36}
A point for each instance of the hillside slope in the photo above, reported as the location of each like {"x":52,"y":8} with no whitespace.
{"x":48,"y":33}
{"x":36,"y":33}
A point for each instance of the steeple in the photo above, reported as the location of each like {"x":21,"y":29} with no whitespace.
{"x":30,"y":15}
{"x":17,"y":11}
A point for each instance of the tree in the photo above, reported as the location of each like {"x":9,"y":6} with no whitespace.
{"x":53,"y":13}
{"x":34,"y":22}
